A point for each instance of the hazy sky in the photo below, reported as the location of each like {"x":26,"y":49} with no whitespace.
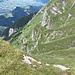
{"x":11,"y":4}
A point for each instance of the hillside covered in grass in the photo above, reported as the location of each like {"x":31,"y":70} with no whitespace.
{"x":53,"y":28}
{"x":11,"y":62}
{"x":50,"y":38}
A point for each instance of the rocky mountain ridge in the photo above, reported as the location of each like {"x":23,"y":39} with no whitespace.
{"x":54,"y":23}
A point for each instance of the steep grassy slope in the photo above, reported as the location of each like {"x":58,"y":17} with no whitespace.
{"x":11,"y":61}
{"x":50,"y":37}
{"x":53,"y":28}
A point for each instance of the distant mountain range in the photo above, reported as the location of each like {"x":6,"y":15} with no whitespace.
{"x":9,"y":5}
{"x":13,"y":10}
{"x":11,"y":17}
{"x":17,"y":13}
{"x":17,"y":26}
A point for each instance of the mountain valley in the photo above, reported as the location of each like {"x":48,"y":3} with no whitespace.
{"x":49,"y":38}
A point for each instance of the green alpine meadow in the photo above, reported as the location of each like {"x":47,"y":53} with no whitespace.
{"x":43,"y":46}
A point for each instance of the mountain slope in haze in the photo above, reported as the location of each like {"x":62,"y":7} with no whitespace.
{"x":17,"y":13}
{"x":17,"y":26}
{"x":2,"y":28}
{"x":10,"y":18}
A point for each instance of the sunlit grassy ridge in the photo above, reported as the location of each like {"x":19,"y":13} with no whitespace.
{"x":11,"y":61}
